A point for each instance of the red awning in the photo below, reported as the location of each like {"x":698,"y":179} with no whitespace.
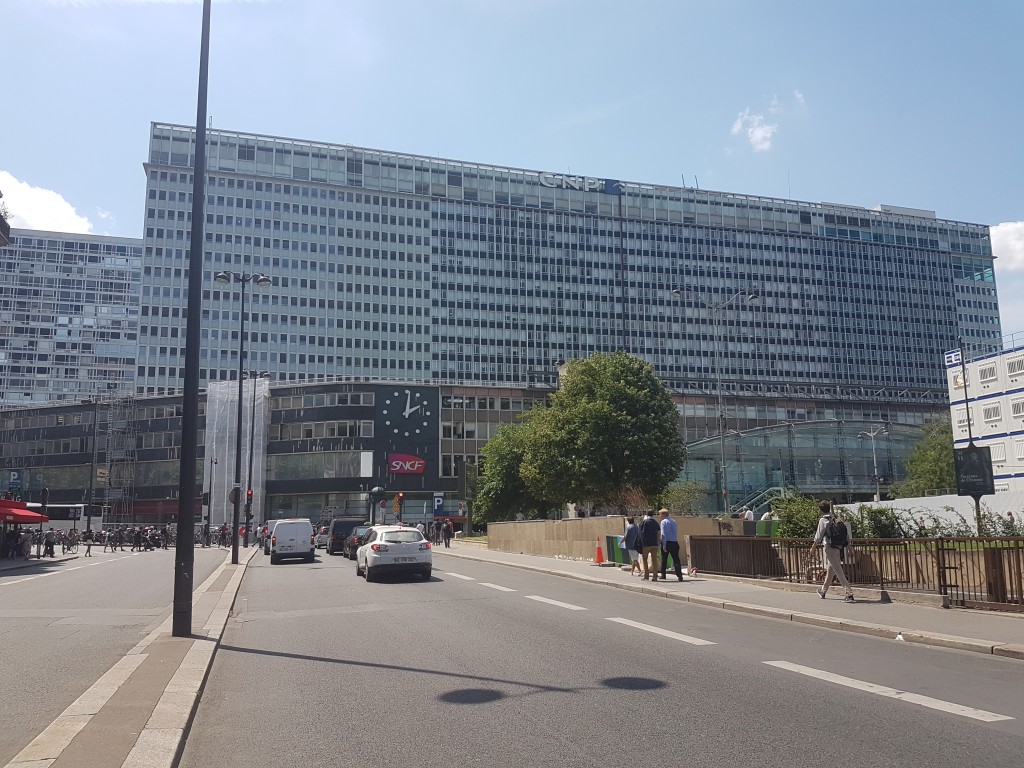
{"x":18,"y":512}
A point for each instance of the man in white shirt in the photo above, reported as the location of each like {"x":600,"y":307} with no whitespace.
{"x":748,"y":513}
{"x":769,"y":515}
{"x":421,"y":528}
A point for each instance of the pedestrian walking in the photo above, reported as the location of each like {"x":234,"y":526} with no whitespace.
{"x":446,"y":533}
{"x":833,"y":536}
{"x":631,"y":541}
{"x":650,"y":538}
{"x":49,"y":540}
{"x":669,"y":544}
{"x":87,"y":537}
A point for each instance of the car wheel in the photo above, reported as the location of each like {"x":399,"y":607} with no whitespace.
{"x":359,"y":571}
{"x":368,"y":575}
{"x":426,"y":575}
{"x":274,"y":560}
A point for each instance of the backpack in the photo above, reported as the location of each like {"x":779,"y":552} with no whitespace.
{"x":836,"y":534}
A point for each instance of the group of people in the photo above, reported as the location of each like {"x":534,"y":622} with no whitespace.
{"x":651,"y":543}
{"x":437,"y":532}
{"x":16,"y":542}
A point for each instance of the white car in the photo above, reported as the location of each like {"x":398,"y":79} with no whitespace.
{"x":393,"y":549}
{"x":321,"y":537}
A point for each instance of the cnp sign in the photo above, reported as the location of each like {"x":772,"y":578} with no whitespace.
{"x":404,"y":464}
{"x":580,"y":183}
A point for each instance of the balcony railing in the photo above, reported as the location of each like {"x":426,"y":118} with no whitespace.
{"x":972,"y":572}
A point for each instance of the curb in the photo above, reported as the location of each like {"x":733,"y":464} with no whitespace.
{"x":934,"y":639}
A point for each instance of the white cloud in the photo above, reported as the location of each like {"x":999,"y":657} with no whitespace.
{"x":800,"y":100}
{"x":38,"y":208}
{"x":758,"y":132}
{"x":1008,"y":248}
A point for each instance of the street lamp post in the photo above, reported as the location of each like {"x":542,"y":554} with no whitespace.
{"x":92,"y":468}
{"x":879,"y":429}
{"x":716,"y":308}
{"x":263,"y":281}
{"x":254,"y":375}
{"x":209,"y":505}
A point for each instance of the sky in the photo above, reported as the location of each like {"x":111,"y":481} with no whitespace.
{"x":916,"y":103}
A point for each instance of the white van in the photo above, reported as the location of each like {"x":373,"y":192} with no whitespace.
{"x":293,"y":537}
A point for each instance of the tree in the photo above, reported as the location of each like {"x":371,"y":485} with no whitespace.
{"x":930,"y":464}
{"x":501,"y":492}
{"x":684,"y":497}
{"x":610,"y":432}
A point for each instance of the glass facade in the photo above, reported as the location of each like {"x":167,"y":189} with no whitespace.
{"x":69,"y":312}
{"x":393,"y":266}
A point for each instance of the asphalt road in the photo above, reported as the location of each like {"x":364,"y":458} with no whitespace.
{"x":479,"y":667}
{"x":63,"y":625}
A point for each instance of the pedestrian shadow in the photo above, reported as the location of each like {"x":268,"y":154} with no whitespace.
{"x":9,"y":568}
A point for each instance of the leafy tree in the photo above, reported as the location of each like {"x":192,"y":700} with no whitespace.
{"x":684,"y":497}
{"x":930,"y":464}
{"x":611,"y":429}
{"x":798,"y":516}
{"x":501,"y":492}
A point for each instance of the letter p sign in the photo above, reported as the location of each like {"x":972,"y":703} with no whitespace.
{"x":438,"y":504}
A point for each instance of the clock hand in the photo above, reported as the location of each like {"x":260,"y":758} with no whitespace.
{"x":408,"y":403}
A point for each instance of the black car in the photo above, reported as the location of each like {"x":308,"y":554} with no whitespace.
{"x":354,"y":540}
{"x":338,"y":533}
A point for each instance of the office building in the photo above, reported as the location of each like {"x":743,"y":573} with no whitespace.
{"x":69,"y":310}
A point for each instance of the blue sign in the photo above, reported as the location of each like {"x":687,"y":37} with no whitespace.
{"x":438,"y":504}
{"x":14,"y":483}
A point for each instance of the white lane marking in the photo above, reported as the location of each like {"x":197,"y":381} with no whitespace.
{"x":496,"y":586}
{"x":662,"y":632}
{"x":64,"y":570}
{"x":549,"y":601}
{"x":892,"y":693}
{"x":459,"y":576}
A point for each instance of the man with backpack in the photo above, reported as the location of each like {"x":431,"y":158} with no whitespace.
{"x":650,"y":539}
{"x":833,"y":535}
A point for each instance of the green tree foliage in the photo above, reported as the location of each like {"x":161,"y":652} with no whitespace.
{"x":501,"y":492}
{"x":609,"y":435}
{"x":798,"y":516}
{"x":930,"y":465}
{"x":684,"y":497}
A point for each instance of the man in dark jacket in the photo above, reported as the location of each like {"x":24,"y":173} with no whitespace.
{"x":650,"y":538}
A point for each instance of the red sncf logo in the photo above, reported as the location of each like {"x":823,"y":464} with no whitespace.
{"x":404,"y":464}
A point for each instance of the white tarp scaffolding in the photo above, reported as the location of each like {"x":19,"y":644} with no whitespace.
{"x":221,"y":426}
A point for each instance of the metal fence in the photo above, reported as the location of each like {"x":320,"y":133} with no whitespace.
{"x":972,"y":572}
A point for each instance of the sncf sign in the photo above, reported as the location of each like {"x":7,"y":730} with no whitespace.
{"x":404,"y":464}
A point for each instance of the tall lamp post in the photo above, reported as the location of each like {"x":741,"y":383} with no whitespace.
{"x":879,"y":429}
{"x":92,"y":467}
{"x":262,"y":281}
{"x":716,"y":308}
{"x":254,"y":375}
{"x":209,"y":505}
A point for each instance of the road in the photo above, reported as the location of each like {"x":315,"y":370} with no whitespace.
{"x":64,"y":624}
{"x":493,"y":666}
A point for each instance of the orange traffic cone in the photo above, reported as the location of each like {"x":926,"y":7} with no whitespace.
{"x":599,"y":557}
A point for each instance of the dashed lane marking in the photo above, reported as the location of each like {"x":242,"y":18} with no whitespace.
{"x":558,"y":603}
{"x":892,"y":693}
{"x":496,"y":586}
{"x":662,"y":632}
{"x":459,"y":576}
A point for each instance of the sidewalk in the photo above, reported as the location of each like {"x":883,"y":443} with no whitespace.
{"x":33,"y":562}
{"x":977,"y":631}
{"x":137,"y":715}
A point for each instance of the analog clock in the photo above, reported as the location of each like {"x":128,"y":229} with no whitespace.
{"x":406,"y":412}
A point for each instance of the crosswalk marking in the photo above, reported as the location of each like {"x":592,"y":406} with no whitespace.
{"x":549,"y":601}
{"x":662,"y":632}
{"x":892,"y":693}
{"x":496,"y":586}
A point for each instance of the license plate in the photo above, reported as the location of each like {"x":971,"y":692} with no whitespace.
{"x":405,"y":559}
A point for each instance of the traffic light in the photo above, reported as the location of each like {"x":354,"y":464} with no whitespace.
{"x":248,"y":497}
{"x":399,"y":500}
{"x":206,"y":498}
{"x":248,"y":504}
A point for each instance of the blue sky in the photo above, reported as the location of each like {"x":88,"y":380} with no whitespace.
{"x":914,"y":103}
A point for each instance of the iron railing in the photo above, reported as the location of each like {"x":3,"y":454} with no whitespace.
{"x":972,"y":572}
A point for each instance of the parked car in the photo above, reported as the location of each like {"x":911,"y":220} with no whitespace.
{"x":293,"y":538}
{"x":321,"y":537}
{"x":338,"y":532}
{"x":393,"y":549}
{"x":353,"y":540}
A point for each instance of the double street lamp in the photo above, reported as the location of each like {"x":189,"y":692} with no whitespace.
{"x":716,"y":308}
{"x":262,"y":280}
{"x":878,"y":429}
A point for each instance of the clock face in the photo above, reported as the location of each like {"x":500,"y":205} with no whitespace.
{"x":406,"y":412}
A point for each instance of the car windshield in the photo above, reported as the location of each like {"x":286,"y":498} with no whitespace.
{"x":402,"y":537}
{"x":359,"y":531}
